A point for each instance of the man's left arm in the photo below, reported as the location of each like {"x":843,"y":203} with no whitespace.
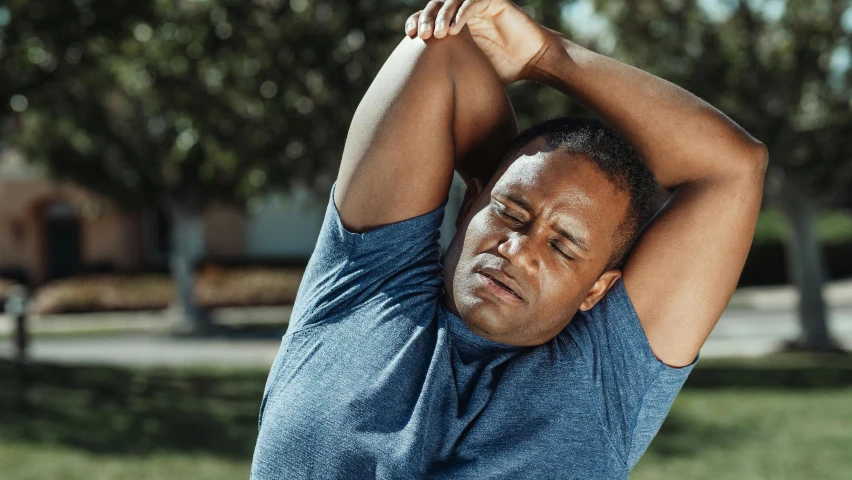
{"x":686,"y":264}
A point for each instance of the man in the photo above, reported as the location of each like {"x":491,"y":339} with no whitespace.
{"x":533,"y":352}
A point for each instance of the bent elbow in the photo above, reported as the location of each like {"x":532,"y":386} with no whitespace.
{"x":752,"y":164}
{"x":759,"y":156}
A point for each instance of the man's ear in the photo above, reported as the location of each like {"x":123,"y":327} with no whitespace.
{"x":473,"y":188}
{"x":599,"y":289}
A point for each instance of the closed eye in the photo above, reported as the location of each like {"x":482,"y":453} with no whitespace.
{"x":555,"y":246}
{"x":503,"y":213}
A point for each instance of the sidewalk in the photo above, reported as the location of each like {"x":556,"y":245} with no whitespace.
{"x":153,"y":321}
{"x":838,"y":294}
{"x":757,"y":322}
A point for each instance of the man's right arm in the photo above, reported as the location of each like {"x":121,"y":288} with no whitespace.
{"x":435,"y":106}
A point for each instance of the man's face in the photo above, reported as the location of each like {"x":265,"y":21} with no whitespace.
{"x":545,"y":228}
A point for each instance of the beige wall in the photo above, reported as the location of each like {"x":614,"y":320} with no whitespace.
{"x":223,"y":231}
{"x":107,"y":234}
{"x":111,"y":239}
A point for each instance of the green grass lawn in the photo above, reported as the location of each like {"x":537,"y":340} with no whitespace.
{"x":738,"y":434}
{"x":784,"y":417}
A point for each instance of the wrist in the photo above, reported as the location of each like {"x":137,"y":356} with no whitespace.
{"x":543,"y":67}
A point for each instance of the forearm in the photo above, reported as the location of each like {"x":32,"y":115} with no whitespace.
{"x":483,"y":120}
{"x":681,"y":137}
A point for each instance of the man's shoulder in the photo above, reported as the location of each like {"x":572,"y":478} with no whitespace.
{"x":614,"y":307}
{"x":611,"y":333}
{"x":349,"y":270}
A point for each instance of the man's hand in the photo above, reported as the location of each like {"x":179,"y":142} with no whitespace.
{"x":510,"y":38}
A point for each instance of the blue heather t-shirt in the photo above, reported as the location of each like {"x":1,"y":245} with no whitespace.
{"x":376,"y":378}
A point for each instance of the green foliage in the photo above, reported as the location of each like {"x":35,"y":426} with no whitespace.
{"x":833,"y":227}
{"x":189,"y":100}
{"x":195,"y":100}
{"x":771,"y":227}
{"x":199,"y":100}
{"x":780,"y":69}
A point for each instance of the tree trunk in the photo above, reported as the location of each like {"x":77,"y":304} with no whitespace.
{"x":806,"y":266}
{"x":187,"y":246}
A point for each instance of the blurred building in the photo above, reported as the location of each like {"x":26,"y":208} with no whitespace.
{"x":51,"y":230}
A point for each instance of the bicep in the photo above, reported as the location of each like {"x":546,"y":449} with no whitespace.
{"x":687,"y":262}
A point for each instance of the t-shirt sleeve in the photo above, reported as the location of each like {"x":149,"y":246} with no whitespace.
{"x":347,"y":270}
{"x":638,"y":389}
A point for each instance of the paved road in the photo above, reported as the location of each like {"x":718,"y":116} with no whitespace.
{"x":152,"y":350}
{"x":746,"y":332}
{"x":740,"y":332}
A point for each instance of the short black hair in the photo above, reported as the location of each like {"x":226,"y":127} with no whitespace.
{"x":613,"y":156}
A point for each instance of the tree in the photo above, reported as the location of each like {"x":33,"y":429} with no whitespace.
{"x":781,"y":70}
{"x":180,"y":103}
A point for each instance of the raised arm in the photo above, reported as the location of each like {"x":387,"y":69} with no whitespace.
{"x":434,"y":106}
{"x":686,"y":264}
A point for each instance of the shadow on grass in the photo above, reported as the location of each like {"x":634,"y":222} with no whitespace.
{"x":785,"y":371}
{"x":138,"y":411}
{"x":131,"y":411}
{"x":237,"y":332}
{"x":689,"y":435}
{"x":684,"y":436}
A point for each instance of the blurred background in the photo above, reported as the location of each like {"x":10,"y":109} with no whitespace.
{"x":164,"y":171}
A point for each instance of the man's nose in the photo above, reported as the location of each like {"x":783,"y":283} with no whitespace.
{"x":518,"y":249}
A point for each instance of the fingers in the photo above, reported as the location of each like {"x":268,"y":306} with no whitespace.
{"x":444,"y":19}
{"x":427,"y":18}
{"x":465,"y":11}
{"x":411,"y":24}
{"x":440,"y":18}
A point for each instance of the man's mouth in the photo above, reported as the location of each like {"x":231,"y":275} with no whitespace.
{"x":500,"y":288}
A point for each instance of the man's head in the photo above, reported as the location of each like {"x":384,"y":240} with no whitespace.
{"x":552,"y":223}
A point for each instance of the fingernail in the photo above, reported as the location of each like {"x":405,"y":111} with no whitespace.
{"x":424,"y":26}
{"x":439,"y":25}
